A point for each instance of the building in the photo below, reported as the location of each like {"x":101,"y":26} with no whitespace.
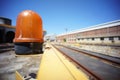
{"x":105,"y":35}
{"x":7,"y":31}
{"x":50,"y":38}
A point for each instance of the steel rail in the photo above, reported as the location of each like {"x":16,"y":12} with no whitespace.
{"x":6,"y":48}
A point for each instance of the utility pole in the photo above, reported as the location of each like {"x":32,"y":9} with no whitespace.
{"x":66,"y":30}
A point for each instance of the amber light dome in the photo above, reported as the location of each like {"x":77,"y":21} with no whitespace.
{"x":28,"y":27}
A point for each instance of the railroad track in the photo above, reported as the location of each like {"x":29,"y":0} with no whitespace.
{"x":113,"y":62}
{"x":6,"y":47}
{"x":94,"y":75}
{"x":91,"y":75}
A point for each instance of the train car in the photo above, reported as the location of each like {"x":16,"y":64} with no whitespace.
{"x":6,"y":30}
{"x":29,"y":33}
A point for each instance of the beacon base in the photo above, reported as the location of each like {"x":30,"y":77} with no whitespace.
{"x":23,"y":48}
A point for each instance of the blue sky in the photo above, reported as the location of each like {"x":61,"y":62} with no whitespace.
{"x":59,"y":15}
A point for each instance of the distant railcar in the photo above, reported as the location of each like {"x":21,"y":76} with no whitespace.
{"x":6,"y":30}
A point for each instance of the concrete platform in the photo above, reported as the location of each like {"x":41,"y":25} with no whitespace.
{"x":54,"y":66}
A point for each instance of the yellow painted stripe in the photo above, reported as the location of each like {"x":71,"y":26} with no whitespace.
{"x":53,"y":67}
{"x":78,"y":75}
{"x":18,"y":76}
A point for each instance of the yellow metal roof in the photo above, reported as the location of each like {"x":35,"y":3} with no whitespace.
{"x":7,"y":26}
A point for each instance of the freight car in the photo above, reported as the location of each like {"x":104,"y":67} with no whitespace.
{"x":6,"y":30}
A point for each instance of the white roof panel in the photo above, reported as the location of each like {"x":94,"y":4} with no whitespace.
{"x":104,"y":25}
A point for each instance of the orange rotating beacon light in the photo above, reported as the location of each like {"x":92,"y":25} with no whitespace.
{"x":29,"y":33}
